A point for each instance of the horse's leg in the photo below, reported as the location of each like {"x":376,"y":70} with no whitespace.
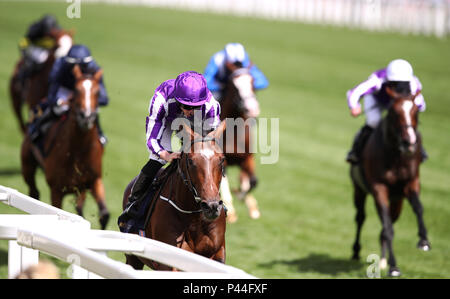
{"x":98,"y":191}
{"x":29,"y":167}
{"x":228,"y":200}
{"x":413,"y":198}
{"x":381,"y":195}
{"x":56,"y":197}
{"x":81,"y":198}
{"x":134,"y":262}
{"x":219,"y":256}
{"x":248,"y":181}
{"x":359,"y":200}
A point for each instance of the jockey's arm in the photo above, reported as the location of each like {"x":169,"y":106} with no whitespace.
{"x":210,"y":75}
{"x":154,"y":124}
{"x":259,"y":80}
{"x":354,"y":95}
{"x":103,"y":98}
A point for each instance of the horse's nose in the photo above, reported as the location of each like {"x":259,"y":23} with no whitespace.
{"x":211,"y":208}
{"x":213,"y":205}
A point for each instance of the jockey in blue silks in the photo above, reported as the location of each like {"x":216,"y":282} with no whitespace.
{"x":217,"y":73}
{"x":61,"y":88}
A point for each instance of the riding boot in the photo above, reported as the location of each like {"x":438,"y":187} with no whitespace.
{"x":101,"y":135}
{"x":358,"y":144}
{"x":139,"y":189}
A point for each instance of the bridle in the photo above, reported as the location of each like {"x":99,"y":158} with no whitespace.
{"x":396,"y":135}
{"x":186,"y":177}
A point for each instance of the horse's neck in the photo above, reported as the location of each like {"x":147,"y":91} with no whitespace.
{"x":229,"y":107}
{"x":390,"y":147}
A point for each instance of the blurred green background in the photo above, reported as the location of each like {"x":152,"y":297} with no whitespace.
{"x":307,"y":225}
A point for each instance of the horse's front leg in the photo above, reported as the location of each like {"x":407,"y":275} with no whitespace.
{"x":413,"y":191}
{"x":249,"y":181}
{"x":98,"y":191}
{"x":381,"y":195}
{"x":81,"y":198}
{"x":219,"y":256}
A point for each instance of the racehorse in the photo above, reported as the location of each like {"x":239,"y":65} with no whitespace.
{"x":35,"y":87}
{"x":240,"y":104}
{"x":389,"y":170}
{"x":72,"y":153}
{"x":186,"y":209}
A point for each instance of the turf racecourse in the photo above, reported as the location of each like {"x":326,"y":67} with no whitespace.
{"x":307,"y":225}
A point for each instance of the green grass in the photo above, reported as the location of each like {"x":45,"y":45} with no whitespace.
{"x":307,"y":225}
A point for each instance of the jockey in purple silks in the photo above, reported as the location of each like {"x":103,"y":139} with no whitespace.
{"x":174,"y":98}
{"x":397,"y":76}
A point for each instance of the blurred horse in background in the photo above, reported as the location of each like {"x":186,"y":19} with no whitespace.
{"x":71,"y":154}
{"x":186,"y":210}
{"x":240,"y":104}
{"x":35,"y":87}
{"x":389,"y":170}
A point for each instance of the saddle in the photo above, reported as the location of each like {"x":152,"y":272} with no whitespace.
{"x":138,"y":225}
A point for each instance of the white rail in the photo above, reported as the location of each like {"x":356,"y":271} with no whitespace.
{"x":428,"y":17}
{"x":70,"y":238}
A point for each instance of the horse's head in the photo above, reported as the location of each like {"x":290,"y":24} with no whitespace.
{"x":85,"y":101}
{"x":202,"y":167}
{"x":242,"y":93}
{"x":402,"y":122}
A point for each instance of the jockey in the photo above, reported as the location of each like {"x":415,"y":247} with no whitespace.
{"x":221,"y":63}
{"x":397,"y":76}
{"x":35,"y":46}
{"x":179,"y":97}
{"x":62,"y":85}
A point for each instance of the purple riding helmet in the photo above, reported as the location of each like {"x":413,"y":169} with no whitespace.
{"x":191,"y":89}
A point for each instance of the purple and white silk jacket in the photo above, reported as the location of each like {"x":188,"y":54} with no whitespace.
{"x":375,"y":85}
{"x":164,"y":109}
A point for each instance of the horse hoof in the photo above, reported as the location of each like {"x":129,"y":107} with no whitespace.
{"x":383,"y":264}
{"x":355,"y":257}
{"x":394,"y":272}
{"x":424,"y":245}
{"x":255,"y":214}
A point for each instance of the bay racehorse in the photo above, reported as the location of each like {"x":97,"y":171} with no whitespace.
{"x":240,"y":104}
{"x":35,"y":88}
{"x":71,"y":154}
{"x":186,"y":210}
{"x":389,"y":170}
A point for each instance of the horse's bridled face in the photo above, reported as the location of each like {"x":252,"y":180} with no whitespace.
{"x":406,"y":119}
{"x":206,"y":167}
{"x":86,"y":99}
{"x":244,"y":86}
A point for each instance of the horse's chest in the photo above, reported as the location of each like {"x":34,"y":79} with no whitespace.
{"x":393,"y":176}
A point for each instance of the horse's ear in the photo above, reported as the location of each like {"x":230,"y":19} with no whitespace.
{"x":217,"y":133}
{"x":98,"y":75}
{"x":391,"y":93}
{"x":76,"y":71}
